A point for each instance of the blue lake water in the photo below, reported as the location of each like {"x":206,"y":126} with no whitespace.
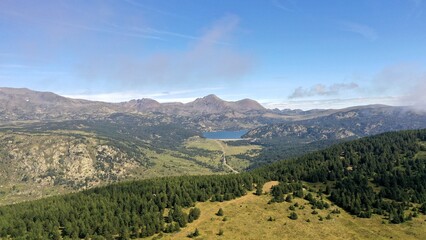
{"x":225,"y":134}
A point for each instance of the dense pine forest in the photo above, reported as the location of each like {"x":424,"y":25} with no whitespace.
{"x":384,"y":175}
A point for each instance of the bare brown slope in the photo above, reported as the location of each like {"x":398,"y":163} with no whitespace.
{"x":25,"y":104}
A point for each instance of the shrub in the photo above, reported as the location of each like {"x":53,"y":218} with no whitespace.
{"x":293,"y":216}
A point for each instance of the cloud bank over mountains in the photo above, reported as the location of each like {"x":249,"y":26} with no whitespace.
{"x":409,"y":80}
{"x":323,"y":90}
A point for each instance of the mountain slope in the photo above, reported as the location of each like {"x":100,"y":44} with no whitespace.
{"x":254,"y":217}
{"x":292,"y":139}
{"x":352,"y":122}
{"x":213,"y":104}
{"x":25,"y":104}
{"x":379,"y":177}
{"x":37,"y":158}
{"x":362,"y":175}
{"x":79,"y":154}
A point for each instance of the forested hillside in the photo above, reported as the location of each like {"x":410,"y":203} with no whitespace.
{"x":383,"y":175}
{"x":129,"y":209}
{"x":377,"y":175}
{"x":295,"y":138}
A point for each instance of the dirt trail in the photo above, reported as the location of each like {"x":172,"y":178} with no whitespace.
{"x":224,"y":157}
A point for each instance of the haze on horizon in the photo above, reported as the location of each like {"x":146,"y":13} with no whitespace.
{"x":282,"y":53}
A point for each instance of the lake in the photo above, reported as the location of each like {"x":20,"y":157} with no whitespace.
{"x":225,"y":134}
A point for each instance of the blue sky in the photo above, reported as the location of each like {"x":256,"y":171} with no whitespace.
{"x":283,"y":53}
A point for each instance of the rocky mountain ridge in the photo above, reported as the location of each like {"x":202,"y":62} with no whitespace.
{"x":352,"y":122}
{"x":25,"y":104}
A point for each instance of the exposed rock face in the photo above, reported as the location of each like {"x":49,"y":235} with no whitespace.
{"x":346,"y":115}
{"x":53,"y":159}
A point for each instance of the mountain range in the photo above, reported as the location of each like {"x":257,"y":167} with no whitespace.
{"x":52,"y":141}
{"x":351,"y":122}
{"x":20,"y":104}
{"x":25,"y":104}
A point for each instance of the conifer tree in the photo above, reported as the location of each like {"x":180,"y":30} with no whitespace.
{"x":194,"y":214}
{"x":220,"y":212}
{"x":259,"y":189}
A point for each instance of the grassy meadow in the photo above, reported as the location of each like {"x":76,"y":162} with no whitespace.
{"x":249,"y":217}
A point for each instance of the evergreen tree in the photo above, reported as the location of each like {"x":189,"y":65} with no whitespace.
{"x":220,"y":212}
{"x":196,"y":233}
{"x":259,"y":189}
{"x":124,"y":233}
{"x":422,"y":209}
{"x":194,"y":214}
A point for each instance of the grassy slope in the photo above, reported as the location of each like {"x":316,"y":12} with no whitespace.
{"x":247,"y":218}
{"x":14,"y":193}
{"x":168,"y":165}
{"x":215,"y":158}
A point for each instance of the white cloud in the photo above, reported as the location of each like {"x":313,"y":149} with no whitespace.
{"x":204,"y":61}
{"x":285,"y":5}
{"x":120,"y":32}
{"x":406,"y":80}
{"x":323,"y":90}
{"x":123,"y":96}
{"x":360,"y":29}
{"x":336,"y":103}
{"x":142,"y":6}
{"x":14,"y":66}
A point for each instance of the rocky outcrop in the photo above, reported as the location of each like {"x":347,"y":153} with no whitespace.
{"x":72,"y":160}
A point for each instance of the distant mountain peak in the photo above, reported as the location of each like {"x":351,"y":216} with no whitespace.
{"x":212,"y":96}
{"x":143,"y":104}
{"x":147,"y":101}
{"x":213,"y":104}
{"x":209,"y":98}
{"x":249,"y":104}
